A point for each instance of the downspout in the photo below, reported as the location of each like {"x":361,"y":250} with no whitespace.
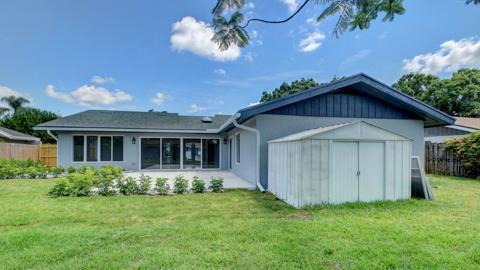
{"x":257,"y":132}
{"x":51,"y":135}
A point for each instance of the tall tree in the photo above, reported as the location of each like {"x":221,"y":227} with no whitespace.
{"x":286,"y":89}
{"x":352,"y":15}
{"x":15,"y":102}
{"x":457,"y":96}
{"x":24,"y":119}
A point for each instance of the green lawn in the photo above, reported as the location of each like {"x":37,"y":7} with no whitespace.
{"x":237,"y":229}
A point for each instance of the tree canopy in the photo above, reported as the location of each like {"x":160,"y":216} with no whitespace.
{"x":457,"y":96}
{"x":352,"y":15}
{"x":24,"y":119}
{"x":15,"y":102}
{"x":286,"y":89}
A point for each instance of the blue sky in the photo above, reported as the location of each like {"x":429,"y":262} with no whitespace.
{"x":69,"y":56}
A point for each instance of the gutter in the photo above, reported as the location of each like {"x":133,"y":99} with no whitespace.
{"x":51,"y":135}
{"x":257,"y":132}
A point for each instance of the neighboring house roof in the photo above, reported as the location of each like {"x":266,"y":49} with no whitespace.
{"x":15,"y":135}
{"x":133,"y":121}
{"x":468,"y":122}
{"x":363,"y":84}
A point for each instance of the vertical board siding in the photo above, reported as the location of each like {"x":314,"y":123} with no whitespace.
{"x":343,"y":105}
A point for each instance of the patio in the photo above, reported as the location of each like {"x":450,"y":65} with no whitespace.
{"x":231,"y":180}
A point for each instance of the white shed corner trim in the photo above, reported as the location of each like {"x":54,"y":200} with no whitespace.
{"x":349,"y":162}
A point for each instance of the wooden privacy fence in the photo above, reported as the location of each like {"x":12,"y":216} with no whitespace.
{"x":46,"y":153}
{"x":440,"y":161}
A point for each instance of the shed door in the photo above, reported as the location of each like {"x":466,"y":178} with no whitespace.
{"x":344,"y":184}
{"x":372,"y":177}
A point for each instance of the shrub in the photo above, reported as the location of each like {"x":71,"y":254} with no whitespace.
{"x":468,"y":149}
{"x":104,"y":179}
{"x":57,"y":171}
{"x":198,"y":185}
{"x":180,"y":185}
{"x":71,"y":169}
{"x":11,"y":169}
{"x":127,"y":186}
{"x":216,"y":184}
{"x":161,"y":186}
{"x":144,"y":184}
{"x":60,"y":189}
{"x":80,"y":184}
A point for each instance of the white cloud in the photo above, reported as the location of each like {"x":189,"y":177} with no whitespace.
{"x":249,"y":5}
{"x":89,"y":95}
{"x":220,"y":71}
{"x":101,"y":80}
{"x":311,"y":42}
{"x":249,"y":57}
{"x":194,"y":108}
{"x":362,"y":54}
{"x":159,"y":98}
{"x":451,"y":56}
{"x":194,"y":36}
{"x":5,"y":92}
{"x":291,"y":4}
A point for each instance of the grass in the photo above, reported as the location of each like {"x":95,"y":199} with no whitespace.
{"x":238,"y":229}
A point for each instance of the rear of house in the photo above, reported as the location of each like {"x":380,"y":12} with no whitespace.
{"x":238,"y":143}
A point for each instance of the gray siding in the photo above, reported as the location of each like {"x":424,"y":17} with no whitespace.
{"x":277,"y":126}
{"x":443,"y":131}
{"x":131,"y":151}
{"x":343,"y":105}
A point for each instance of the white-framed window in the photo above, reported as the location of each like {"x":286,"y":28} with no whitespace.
{"x":237,"y":147}
{"x":94,"y":148}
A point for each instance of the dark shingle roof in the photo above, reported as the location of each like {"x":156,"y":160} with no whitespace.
{"x":101,"y":119}
{"x":15,"y":135}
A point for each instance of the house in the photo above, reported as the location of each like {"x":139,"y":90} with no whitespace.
{"x":238,"y":143}
{"x":461,"y":128}
{"x":12,"y":136}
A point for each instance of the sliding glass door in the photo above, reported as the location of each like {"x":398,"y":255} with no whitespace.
{"x":150,"y":153}
{"x":170,"y":153}
{"x":210,"y":153}
{"x":192,"y":153}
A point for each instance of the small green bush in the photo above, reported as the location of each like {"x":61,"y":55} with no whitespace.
{"x":161,"y":186}
{"x":198,"y":185}
{"x":80,"y":184}
{"x":71,"y":169}
{"x":127,"y":186}
{"x":180,"y":185}
{"x":216,"y":184}
{"x":57,"y":171}
{"x":468,"y":149}
{"x":144,"y":184}
{"x":28,"y":169}
{"x":60,"y":189}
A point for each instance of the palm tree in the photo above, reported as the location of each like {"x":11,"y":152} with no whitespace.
{"x":229,"y":32}
{"x":15,"y":102}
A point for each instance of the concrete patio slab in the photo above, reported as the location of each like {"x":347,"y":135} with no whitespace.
{"x":231,"y":180}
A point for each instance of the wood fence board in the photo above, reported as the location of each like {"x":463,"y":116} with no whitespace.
{"x":46,"y":153}
{"x":440,"y":161}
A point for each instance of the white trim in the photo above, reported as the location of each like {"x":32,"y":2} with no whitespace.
{"x":238,"y":148}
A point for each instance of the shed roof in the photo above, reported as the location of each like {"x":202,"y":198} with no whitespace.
{"x":135,"y":121}
{"x":311,"y":133}
{"x":15,"y":135}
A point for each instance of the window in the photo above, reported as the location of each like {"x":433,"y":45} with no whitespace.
{"x":78,"y":145}
{"x":117,"y":148}
{"x":105,"y":148}
{"x":92,"y":143}
{"x":192,"y":153}
{"x":211,"y":153}
{"x":150,"y":155}
{"x":237,"y":148}
{"x":97,"y":148}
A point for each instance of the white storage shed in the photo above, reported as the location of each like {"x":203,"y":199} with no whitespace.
{"x":349,"y":162}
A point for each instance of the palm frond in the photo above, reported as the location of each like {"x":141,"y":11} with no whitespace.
{"x":222,"y":5}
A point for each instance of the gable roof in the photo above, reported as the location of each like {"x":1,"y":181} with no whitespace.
{"x":363,"y":84}
{"x":15,"y":135}
{"x":468,"y":122}
{"x":362,"y":129}
{"x":96,"y":120}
